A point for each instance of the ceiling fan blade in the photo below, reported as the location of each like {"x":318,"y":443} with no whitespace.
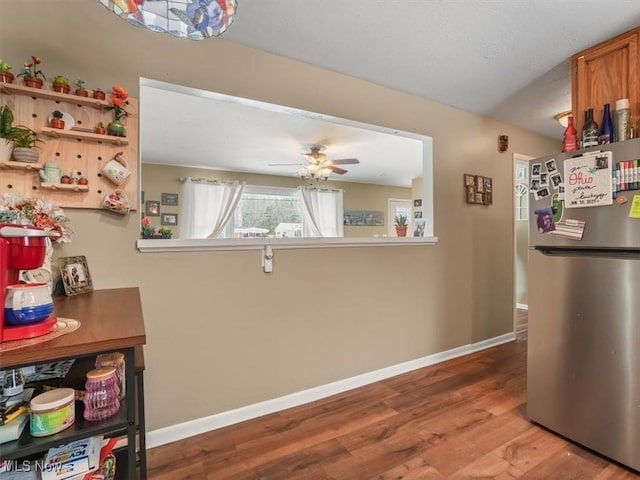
{"x":338,"y":170}
{"x":345,"y":161}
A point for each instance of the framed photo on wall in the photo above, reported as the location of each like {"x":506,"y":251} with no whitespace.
{"x":169,"y":199}
{"x":152,"y":208}
{"x":169,"y":219}
{"x":75,"y":275}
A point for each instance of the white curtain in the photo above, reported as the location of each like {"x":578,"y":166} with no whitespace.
{"x":207,"y":206}
{"x":323,"y":212}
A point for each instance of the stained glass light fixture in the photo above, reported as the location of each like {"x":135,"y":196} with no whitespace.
{"x":194,"y":19}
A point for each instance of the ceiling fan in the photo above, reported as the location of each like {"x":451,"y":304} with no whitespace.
{"x":317,"y":167}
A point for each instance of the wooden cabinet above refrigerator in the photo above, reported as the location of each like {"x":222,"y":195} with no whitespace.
{"x":605,"y":73}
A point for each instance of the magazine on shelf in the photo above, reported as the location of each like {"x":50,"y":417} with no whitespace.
{"x":72,"y":459}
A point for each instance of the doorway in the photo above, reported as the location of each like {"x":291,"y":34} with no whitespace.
{"x":521,"y":239}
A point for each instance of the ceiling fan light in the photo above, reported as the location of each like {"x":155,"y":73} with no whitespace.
{"x":313,"y":169}
{"x":303,"y":172}
{"x":325,"y":172}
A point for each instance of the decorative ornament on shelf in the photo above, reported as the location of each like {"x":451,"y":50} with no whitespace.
{"x":99,"y":94}
{"x":80,"y":90}
{"x":60,"y":84}
{"x":117,"y":104}
{"x":31,"y":73}
{"x":5,"y":75}
{"x":197,"y":20}
{"x":56,"y":119}
{"x":39,"y":213}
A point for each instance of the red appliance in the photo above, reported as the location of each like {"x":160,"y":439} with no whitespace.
{"x":22,"y":247}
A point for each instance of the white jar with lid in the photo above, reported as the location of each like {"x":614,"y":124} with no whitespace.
{"x":622,"y":121}
{"x":52,"y":412}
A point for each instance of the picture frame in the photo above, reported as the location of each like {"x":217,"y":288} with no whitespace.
{"x":471,"y":194}
{"x":417,"y":214}
{"x":417,"y":202}
{"x":75,"y":275}
{"x":478,"y":189}
{"x":152,"y":208}
{"x":469,"y":180}
{"x":169,"y":199}
{"x":169,"y":219}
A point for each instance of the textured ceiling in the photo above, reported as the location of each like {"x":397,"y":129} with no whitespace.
{"x":507,"y":59}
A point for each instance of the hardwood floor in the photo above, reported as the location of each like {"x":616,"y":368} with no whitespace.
{"x":461,"y":419}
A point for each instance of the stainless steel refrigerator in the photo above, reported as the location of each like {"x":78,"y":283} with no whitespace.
{"x":583,"y":360}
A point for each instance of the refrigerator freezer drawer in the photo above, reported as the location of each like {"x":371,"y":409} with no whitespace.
{"x":583,"y":365}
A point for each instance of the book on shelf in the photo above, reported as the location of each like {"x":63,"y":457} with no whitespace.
{"x":72,"y":460}
{"x":11,"y":430}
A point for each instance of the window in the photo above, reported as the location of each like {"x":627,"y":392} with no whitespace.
{"x":266,"y":212}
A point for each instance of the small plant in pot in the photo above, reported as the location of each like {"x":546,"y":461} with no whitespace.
{"x":80,"y":90}
{"x":60,"y":84}
{"x":100,"y":128}
{"x":99,"y":94}
{"x":5,"y":75}
{"x":401,"y":224}
{"x":6,"y":132}
{"x":25,"y":144}
{"x":56,"y":119}
{"x":30,"y":74}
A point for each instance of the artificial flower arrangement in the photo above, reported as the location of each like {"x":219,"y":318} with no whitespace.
{"x":31,"y":69}
{"x":153,"y":231}
{"x":118,"y":101}
{"x":36,"y":212}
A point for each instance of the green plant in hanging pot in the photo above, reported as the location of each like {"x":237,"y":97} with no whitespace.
{"x":25,"y":144}
{"x":30,"y":73}
{"x":60,"y":84}
{"x":401,"y":223}
{"x":5,"y":75}
{"x":6,"y":133}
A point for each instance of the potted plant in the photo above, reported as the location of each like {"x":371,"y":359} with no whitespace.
{"x":99,"y":94}
{"x":60,"y":84}
{"x":31,"y":74}
{"x":401,"y":225}
{"x":117,"y":104}
{"x":25,"y":143}
{"x":80,"y":90}
{"x":5,"y":75}
{"x":56,"y":119}
{"x":165,"y":232}
{"x":6,"y":132}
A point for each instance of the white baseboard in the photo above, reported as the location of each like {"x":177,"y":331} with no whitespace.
{"x":179,"y":431}
{"x":522,"y":306}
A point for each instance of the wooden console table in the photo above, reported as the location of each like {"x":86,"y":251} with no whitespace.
{"x":110,"y":320}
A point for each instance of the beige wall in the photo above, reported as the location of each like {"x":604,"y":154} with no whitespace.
{"x":222,"y":334}
{"x":157,"y":179}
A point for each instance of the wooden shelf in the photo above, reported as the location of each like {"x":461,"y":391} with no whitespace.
{"x":12,"y":88}
{"x":20,"y":165}
{"x":65,"y":186}
{"x":90,"y":137}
